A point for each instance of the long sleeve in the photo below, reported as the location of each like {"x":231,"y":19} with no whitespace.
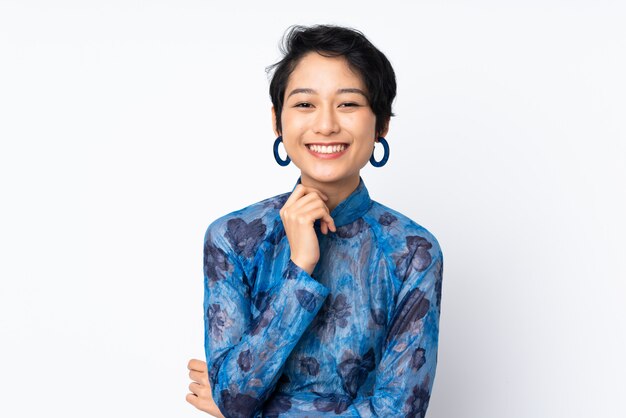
{"x":406,"y":372}
{"x":245,"y":354}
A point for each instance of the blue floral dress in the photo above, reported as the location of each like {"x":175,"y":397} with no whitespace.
{"x":356,"y":338}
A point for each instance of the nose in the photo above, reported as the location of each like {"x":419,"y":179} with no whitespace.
{"x":326,"y":121}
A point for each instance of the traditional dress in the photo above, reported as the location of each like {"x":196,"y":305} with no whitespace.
{"x":356,"y":338}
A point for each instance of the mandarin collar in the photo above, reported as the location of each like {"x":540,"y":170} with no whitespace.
{"x":351,"y":208}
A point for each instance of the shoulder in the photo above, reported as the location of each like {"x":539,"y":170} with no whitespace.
{"x":241,"y":231}
{"x":398,"y":229}
{"x":403,"y":239}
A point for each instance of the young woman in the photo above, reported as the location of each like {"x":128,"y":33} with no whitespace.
{"x":321,"y":301}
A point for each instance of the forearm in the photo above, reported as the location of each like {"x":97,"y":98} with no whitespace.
{"x":244,"y":373}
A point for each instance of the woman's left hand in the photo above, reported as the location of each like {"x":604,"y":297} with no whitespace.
{"x":201,"y":396}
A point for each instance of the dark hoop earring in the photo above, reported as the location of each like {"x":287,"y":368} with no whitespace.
{"x":276,"y":156}
{"x":383,"y":161}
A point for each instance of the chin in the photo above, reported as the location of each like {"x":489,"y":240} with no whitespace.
{"x":329,"y":175}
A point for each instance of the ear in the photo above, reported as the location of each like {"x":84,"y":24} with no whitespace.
{"x":385,"y":130}
{"x":274,"y":122}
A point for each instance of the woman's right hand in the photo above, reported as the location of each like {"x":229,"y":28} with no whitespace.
{"x":302,"y":208}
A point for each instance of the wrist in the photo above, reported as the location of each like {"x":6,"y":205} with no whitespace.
{"x":304,"y":266}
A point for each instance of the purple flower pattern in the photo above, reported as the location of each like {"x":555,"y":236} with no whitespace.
{"x":278,"y":404}
{"x":352,"y":229}
{"x":334,"y":313}
{"x":262,"y":320}
{"x":216,"y":263}
{"x":386,"y":219}
{"x":239,"y":405}
{"x":411,"y":309}
{"x":218,"y":320}
{"x":418,"y":358}
{"x":418,"y":401}
{"x":334,"y":402}
{"x":353,"y":370}
{"x":245,"y":237}
{"x":319,"y":345}
{"x":309,"y":365}
{"x":306,"y":299}
{"x":245,"y":360}
{"x":415,"y":258}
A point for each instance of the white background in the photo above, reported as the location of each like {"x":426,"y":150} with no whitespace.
{"x":126,"y":127}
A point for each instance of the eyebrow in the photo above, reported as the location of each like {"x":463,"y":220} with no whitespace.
{"x":339,"y":91}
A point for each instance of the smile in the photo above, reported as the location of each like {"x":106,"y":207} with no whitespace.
{"x":327,"y":152}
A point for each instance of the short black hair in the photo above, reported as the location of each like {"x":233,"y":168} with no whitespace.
{"x":332,"y":40}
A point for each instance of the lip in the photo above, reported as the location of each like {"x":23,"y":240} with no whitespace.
{"x":327,"y":143}
{"x":327,"y":156}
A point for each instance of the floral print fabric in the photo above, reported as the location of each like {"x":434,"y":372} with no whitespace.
{"x":356,"y":338}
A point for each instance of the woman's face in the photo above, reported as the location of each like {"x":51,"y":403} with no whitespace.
{"x":325,"y":103}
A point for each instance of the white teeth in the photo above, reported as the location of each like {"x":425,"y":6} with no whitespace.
{"x":323,"y":149}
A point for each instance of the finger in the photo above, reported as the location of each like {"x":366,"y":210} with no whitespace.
{"x":200,"y":377}
{"x":323,"y":216}
{"x":313,"y":212}
{"x":297,"y":193}
{"x":299,"y":211}
{"x":306,"y":208}
{"x":311,"y":198}
{"x":192,"y":399}
{"x":329,"y":220}
{"x":322,"y":194}
{"x":300,"y":191}
{"x":201,"y":404}
{"x":200,"y":390}
{"x":309,"y":189}
{"x":324,"y":227}
{"x":195,"y":364}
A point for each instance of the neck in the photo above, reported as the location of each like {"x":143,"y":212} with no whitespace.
{"x":336,"y":191}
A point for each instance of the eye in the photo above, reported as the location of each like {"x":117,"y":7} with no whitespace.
{"x":303,"y":103}
{"x":351,"y":104}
